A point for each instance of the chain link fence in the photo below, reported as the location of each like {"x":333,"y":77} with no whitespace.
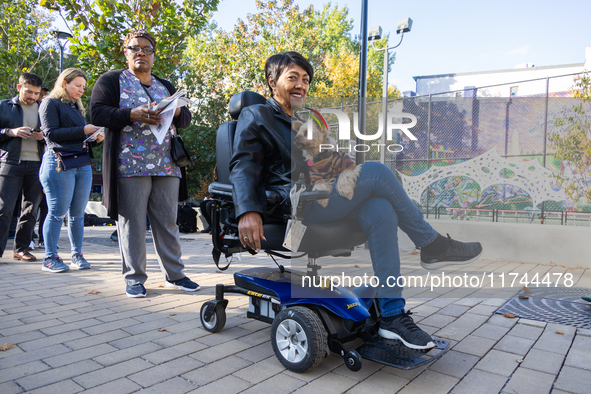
{"x":455,"y":127}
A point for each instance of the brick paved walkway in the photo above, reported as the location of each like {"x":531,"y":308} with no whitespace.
{"x":68,"y":341}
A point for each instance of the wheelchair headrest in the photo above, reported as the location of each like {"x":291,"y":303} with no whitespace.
{"x":242,"y":100}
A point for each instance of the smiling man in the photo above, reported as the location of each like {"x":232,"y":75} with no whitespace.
{"x":21,"y":150}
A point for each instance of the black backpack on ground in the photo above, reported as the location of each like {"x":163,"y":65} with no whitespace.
{"x":186,"y":219}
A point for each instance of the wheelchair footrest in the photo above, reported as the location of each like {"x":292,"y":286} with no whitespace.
{"x":395,"y":354}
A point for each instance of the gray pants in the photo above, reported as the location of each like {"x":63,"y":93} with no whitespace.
{"x":157,"y":196}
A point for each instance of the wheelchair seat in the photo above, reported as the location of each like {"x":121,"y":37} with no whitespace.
{"x":320,"y":239}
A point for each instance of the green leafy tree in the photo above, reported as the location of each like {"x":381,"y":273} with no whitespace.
{"x":24,"y":43}
{"x":571,"y":143}
{"x":222,"y":63}
{"x":99,"y":27}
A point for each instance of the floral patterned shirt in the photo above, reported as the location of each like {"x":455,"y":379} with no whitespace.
{"x":139,"y":153}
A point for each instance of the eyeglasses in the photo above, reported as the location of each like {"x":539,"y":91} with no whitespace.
{"x":136,"y":49}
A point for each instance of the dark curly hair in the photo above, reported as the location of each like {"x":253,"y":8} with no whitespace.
{"x":139,"y":33}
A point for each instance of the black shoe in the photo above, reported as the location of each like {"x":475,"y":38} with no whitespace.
{"x":207,"y":230}
{"x":456,"y":252}
{"x":403,"y":328}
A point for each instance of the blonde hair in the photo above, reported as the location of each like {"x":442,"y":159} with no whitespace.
{"x":59,"y":91}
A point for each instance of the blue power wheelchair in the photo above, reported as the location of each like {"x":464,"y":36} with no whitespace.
{"x":306,"y":327}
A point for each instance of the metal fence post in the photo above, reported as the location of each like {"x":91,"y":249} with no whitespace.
{"x":428,"y":148}
{"x":545,"y":137}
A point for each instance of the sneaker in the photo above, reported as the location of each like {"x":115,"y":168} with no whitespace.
{"x":79,"y":262}
{"x":41,"y":245}
{"x":135,"y":291}
{"x":403,"y":328}
{"x":185,"y":284}
{"x":456,"y":253}
{"x":54,"y":264}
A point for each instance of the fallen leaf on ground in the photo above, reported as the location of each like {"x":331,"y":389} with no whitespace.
{"x":519,"y":360}
{"x":160,"y":285}
{"x":559,"y":332}
{"x":173,"y":314}
{"x":218,"y":271}
{"x":6,"y":346}
{"x":414,"y":252}
{"x":110,"y":262}
{"x":93,"y":292}
{"x":162,"y":329}
{"x":509,"y":315}
{"x":356,"y":266}
{"x":526,"y":289}
{"x":523,"y":297}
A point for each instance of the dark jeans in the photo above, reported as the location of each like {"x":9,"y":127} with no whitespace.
{"x":15,"y":178}
{"x":42,"y":216}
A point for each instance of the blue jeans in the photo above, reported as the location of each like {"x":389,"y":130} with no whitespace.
{"x":380,"y":205}
{"x":66,"y":192}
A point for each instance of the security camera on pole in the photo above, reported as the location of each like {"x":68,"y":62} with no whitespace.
{"x":375,"y":33}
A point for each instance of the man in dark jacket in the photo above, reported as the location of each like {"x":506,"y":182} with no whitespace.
{"x":21,"y":150}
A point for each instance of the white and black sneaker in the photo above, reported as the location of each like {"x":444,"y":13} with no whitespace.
{"x":448,"y":252}
{"x":404,"y":329}
{"x":185,"y":284}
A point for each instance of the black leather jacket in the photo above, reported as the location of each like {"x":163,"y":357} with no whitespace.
{"x":11,"y":117}
{"x":263,"y":158}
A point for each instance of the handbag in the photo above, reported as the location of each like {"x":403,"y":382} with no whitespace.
{"x":180,"y":155}
{"x":68,"y":160}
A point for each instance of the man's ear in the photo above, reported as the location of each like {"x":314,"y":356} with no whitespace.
{"x":18,"y":86}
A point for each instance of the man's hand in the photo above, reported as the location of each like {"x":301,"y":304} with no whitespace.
{"x":21,"y":132}
{"x":250,"y":230}
{"x":144,"y":114}
{"x":37,"y":135}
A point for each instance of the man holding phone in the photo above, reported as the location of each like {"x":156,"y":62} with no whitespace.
{"x":21,"y":150}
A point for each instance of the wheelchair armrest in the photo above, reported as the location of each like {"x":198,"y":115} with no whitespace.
{"x":225,"y":189}
{"x":314,"y":195}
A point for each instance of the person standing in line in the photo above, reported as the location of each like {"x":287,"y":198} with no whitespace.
{"x":66,"y":185}
{"x":139,"y":175}
{"x":21,"y":151}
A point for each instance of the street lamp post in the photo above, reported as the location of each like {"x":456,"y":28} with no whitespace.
{"x":61,"y":35}
{"x":375,"y":33}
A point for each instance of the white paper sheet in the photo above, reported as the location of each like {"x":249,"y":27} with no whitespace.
{"x":161,"y":128}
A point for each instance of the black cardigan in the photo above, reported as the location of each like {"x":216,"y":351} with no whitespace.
{"x":105,"y":111}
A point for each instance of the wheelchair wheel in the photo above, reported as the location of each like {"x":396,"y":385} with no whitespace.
{"x":299,"y":339}
{"x":353,"y":360}
{"x":217,"y":320}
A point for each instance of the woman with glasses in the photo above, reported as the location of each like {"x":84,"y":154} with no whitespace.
{"x":139,"y":175}
{"x":65,"y":171}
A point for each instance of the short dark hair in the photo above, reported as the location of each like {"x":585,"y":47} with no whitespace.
{"x":139,"y":33}
{"x":276,"y":65}
{"x":29,"y":79}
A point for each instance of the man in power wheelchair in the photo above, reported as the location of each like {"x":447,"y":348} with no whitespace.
{"x":256,"y":163}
